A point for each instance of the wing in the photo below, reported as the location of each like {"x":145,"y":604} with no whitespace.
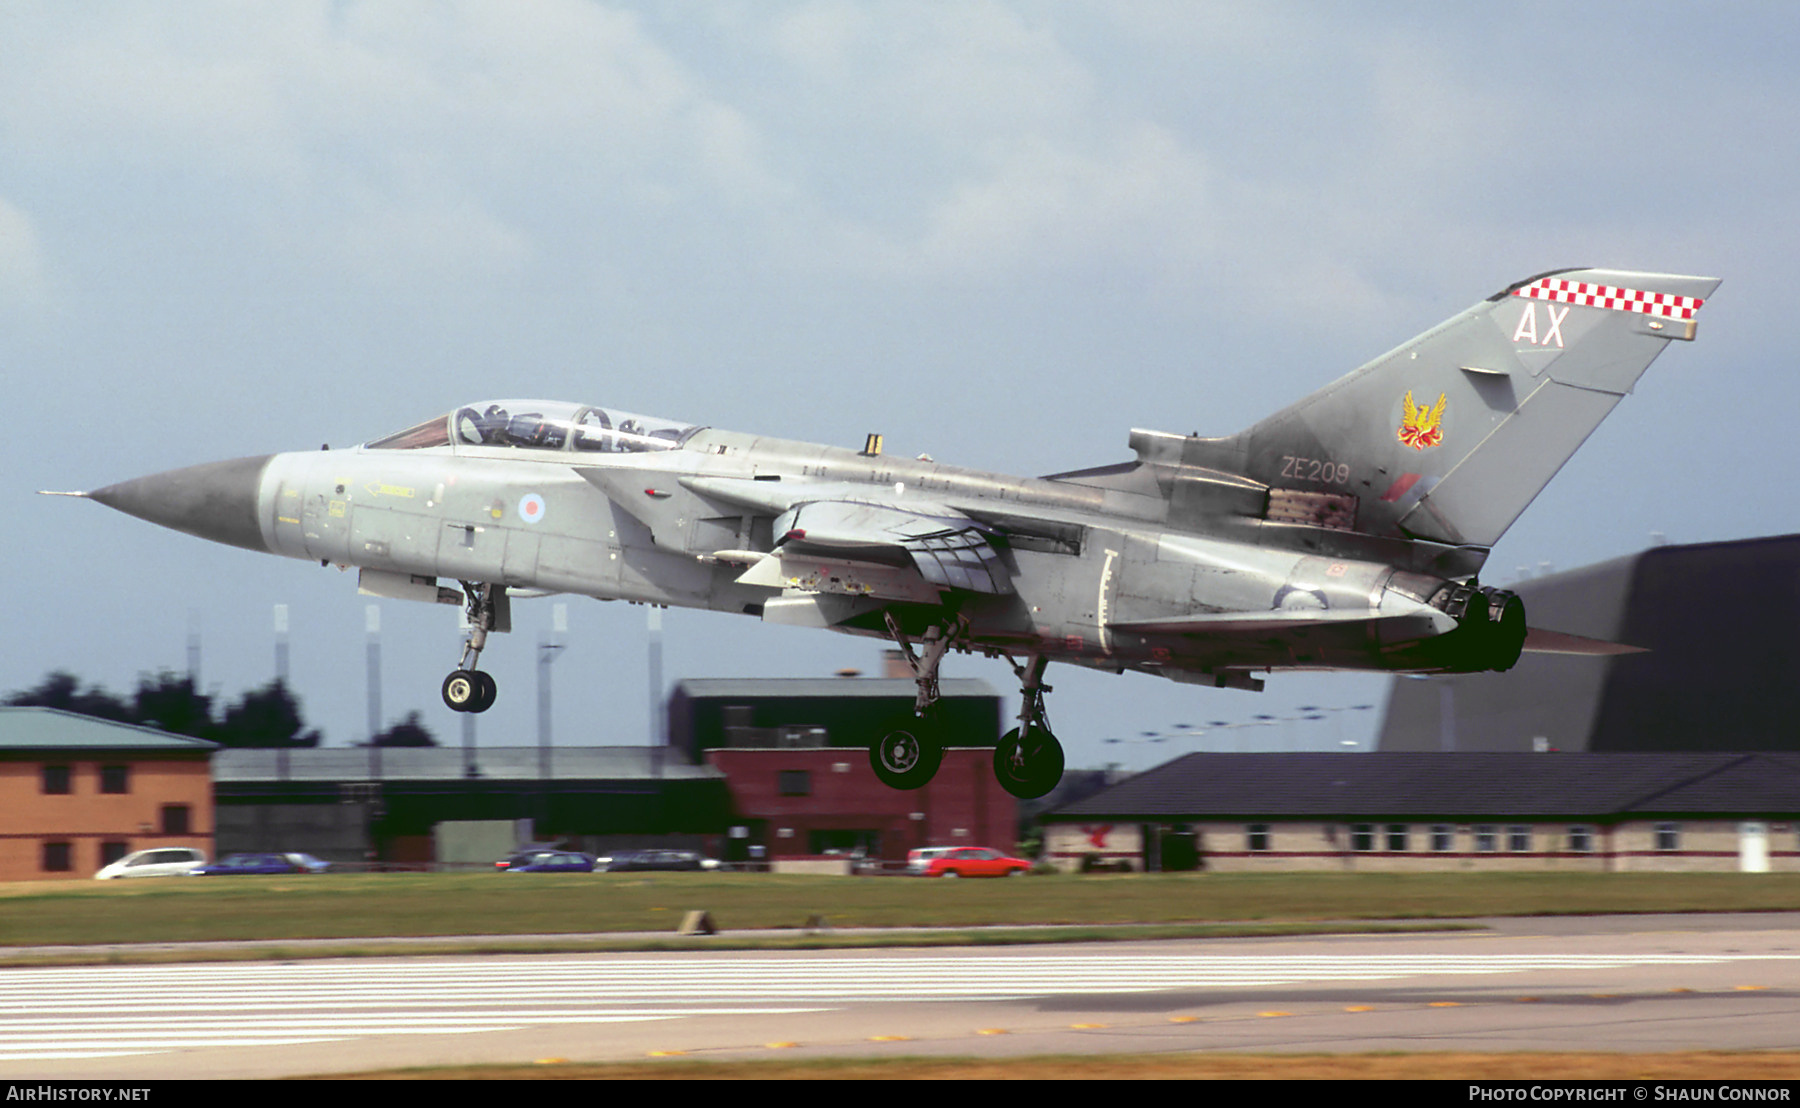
{"x":948,"y":550}
{"x":852,"y":540}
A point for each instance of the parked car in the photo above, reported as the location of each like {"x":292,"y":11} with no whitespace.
{"x":308,"y":863}
{"x":626,"y":861}
{"x":554,"y":861}
{"x":234,"y":864}
{"x":164,"y":861}
{"x":525,"y":854}
{"x":975,"y":861}
{"x":917,"y":860}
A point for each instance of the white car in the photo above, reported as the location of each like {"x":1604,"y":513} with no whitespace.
{"x":164,"y":861}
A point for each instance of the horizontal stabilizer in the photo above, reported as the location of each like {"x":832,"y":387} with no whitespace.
{"x":1539,"y":641}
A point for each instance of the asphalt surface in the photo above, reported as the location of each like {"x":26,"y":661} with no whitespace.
{"x":1614,"y":983}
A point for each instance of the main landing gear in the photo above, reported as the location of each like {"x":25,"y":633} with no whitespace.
{"x":908,"y":756}
{"x":1028,"y":762}
{"x":468,"y":689}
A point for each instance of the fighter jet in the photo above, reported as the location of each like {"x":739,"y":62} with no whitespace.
{"x":1345,"y":532}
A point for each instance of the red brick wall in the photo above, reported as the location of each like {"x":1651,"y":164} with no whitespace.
{"x":962,"y":806}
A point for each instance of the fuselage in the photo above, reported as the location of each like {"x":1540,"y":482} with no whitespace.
{"x":650,"y":511}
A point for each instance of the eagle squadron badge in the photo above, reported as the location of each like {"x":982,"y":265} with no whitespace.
{"x":1422,"y":427}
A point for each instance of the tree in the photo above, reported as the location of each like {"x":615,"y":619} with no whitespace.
{"x":408,"y":732}
{"x":169,"y":701}
{"x":265,"y":717}
{"x":61,"y":690}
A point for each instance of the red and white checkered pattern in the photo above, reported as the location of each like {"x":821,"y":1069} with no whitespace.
{"x":1664,"y":304}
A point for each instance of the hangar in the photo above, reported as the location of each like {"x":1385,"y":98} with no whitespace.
{"x":1719,"y":673}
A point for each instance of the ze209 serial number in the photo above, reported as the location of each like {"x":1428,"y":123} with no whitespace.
{"x":1315,"y":469}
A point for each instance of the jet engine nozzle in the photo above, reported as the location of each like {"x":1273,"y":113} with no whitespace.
{"x":1490,"y":629}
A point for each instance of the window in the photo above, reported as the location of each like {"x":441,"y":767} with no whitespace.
{"x":115,"y":779}
{"x":1256,"y":836}
{"x":1668,"y":836}
{"x":1487,"y":837}
{"x":57,"y":858}
{"x":843,"y":841}
{"x":175,"y":819}
{"x":1518,"y":838}
{"x":1443,"y":837}
{"x":56,"y":780}
{"x":1581,"y":839}
{"x":794,"y":782}
{"x":1362,"y":836}
{"x":1397,"y":836}
{"x":111,"y":852}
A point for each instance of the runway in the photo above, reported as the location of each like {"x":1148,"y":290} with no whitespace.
{"x":1613,"y":984}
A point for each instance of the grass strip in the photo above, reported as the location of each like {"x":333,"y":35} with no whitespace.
{"x":350,"y":906}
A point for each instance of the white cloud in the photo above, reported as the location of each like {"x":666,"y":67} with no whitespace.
{"x":1046,"y":207}
{"x":405,"y":140}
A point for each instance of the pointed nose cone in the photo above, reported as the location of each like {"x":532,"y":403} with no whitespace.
{"x":215,"y":501}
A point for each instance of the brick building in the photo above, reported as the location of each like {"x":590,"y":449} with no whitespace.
{"x":794,"y":753}
{"x":77,"y":793}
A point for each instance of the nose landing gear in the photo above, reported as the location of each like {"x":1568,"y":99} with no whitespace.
{"x":468,"y":689}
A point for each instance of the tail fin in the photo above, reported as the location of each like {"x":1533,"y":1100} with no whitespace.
{"x":1450,"y":436}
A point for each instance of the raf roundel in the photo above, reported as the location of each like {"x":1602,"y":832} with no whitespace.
{"x":531,"y":507}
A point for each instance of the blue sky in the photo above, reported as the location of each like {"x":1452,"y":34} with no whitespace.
{"x":999,"y":233}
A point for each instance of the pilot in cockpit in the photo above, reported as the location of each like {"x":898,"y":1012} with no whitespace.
{"x":491,"y":425}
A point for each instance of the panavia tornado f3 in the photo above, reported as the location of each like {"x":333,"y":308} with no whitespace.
{"x":1345,"y":532}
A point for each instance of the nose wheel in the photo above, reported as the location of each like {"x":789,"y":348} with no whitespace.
{"x":469,"y":690}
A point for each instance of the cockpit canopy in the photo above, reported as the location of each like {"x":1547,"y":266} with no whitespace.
{"x":542,"y":425}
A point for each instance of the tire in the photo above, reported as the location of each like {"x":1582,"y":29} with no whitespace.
{"x":486,"y":691}
{"x":1031,"y":767}
{"x":907,"y":757}
{"x":461,"y":691}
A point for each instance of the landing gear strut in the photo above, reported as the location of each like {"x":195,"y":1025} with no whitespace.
{"x":468,"y":689}
{"x":1029,"y":761}
{"x":909,"y":755}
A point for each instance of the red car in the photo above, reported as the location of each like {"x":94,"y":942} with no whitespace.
{"x":975,"y":861}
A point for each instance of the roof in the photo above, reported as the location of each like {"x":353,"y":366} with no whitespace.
{"x":831,"y":687}
{"x":438,"y":763}
{"x":1716,"y":620}
{"x":1456,"y":785}
{"x":32,"y":729}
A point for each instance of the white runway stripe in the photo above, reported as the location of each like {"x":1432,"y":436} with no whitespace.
{"x":101,"y":1011}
